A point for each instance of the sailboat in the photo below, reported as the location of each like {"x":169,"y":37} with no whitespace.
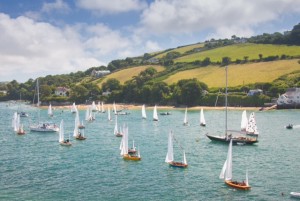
{"x":102,"y":107}
{"x":251,"y":128}
{"x":144,"y":116}
{"x":124,"y":148}
{"x":78,"y":133}
{"x":244,"y":121}
{"x":202,"y":119}
{"x":61,"y":139}
{"x":74,"y":108}
{"x":155,"y":116}
{"x":115,"y":108}
{"x":17,"y":126}
{"x":89,"y":114}
{"x":22,"y":113}
{"x":116,"y":131}
{"x":108,"y":114}
{"x":185,"y":120}
{"x":226,"y":173}
{"x":42,"y":126}
{"x":170,"y":154}
{"x":94,"y":107}
{"x":77,"y":119}
{"x":237,"y":136}
{"x":50,"y":112}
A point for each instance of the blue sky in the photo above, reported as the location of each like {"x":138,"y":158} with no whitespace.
{"x":41,"y":37}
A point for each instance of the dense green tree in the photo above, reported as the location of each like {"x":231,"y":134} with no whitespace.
{"x":79,"y":94}
{"x":111,"y":84}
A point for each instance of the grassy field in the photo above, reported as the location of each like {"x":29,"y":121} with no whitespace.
{"x":238,"y":74}
{"x":181,"y":50}
{"x":238,"y":51}
{"x":128,"y":74}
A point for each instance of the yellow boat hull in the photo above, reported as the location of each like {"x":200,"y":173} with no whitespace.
{"x":131,"y":158}
{"x":238,"y":185}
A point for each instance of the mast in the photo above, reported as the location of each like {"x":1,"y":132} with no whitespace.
{"x":226,"y":102}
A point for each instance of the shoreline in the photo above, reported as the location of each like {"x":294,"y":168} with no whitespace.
{"x":164,"y":107}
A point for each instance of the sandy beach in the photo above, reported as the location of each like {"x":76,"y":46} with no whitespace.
{"x":165,"y":108}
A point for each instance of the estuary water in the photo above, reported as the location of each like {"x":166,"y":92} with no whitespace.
{"x":36,"y":167}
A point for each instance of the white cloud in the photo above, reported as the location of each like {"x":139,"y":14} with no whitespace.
{"x":58,"y":5}
{"x":112,"y":6}
{"x":152,"y":46}
{"x":35,"y":48}
{"x":231,"y":16}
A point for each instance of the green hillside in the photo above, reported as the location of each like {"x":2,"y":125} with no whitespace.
{"x":239,"y":51}
{"x":181,"y":50}
{"x":214,"y":76}
{"x":127,"y":74}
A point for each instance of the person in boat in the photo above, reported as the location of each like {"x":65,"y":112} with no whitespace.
{"x":66,"y":141}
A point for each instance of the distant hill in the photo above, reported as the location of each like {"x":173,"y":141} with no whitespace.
{"x":238,"y":74}
{"x":239,"y":51}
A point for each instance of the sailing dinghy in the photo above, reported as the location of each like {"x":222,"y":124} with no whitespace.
{"x":202,"y":119}
{"x":61,"y":140}
{"x":124,"y":148}
{"x":170,"y":154}
{"x":144,"y":116}
{"x":226,"y":173}
{"x":155,"y":116}
{"x":185,"y":120}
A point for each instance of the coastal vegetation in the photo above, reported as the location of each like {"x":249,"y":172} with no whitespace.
{"x":188,"y":75}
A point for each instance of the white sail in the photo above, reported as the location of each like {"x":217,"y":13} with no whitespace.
{"x":99,"y":107}
{"x":133,"y":146}
{"x":61,"y":131}
{"x":50,"y":112}
{"x":124,"y":149}
{"x":228,"y":172}
{"x":102,"y":107}
{"x":247,"y":180}
{"x":170,"y":154}
{"x":116,"y":126}
{"x":93,"y":107}
{"x":144,"y":116}
{"x":115,"y":108}
{"x":185,"y":120}
{"x":251,"y":126}
{"x":202,"y":119}
{"x":244,"y":121}
{"x":77,"y":122}
{"x":222,"y":174}
{"x":155,"y":116}
{"x":108,"y":114}
{"x":73,"y":108}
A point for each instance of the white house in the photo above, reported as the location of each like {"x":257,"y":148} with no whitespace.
{"x":290,"y":97}
{"x":254,"y":92}
{"x":61,"y":91}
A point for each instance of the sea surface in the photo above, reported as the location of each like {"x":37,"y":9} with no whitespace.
{"x":36,"y":167}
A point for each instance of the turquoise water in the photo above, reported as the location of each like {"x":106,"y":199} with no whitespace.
{"x":36,"y":167}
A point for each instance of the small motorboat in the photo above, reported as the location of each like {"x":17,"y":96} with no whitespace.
{"x":290,"y":126}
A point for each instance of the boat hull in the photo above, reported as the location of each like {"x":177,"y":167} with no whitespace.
{"x":237,"y":140}
{"x":295,"y":194}
{"x":80,"y":138}
{"x":178,"y":164}
{"x":238,"y":185}
{"x":131,"y":158}
{"x":65,"y":143}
